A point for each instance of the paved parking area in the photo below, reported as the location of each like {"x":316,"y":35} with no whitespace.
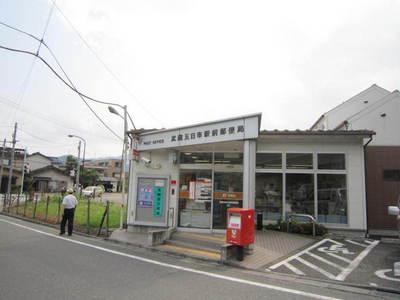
{"x":361,"y":261}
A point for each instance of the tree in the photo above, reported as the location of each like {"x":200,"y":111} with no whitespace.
{"x":88,"y":177}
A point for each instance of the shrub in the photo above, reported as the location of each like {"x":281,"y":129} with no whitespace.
{"x":297,"y":227}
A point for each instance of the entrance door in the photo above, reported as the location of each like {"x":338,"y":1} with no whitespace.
{"x":228,"y":192}
{"x":195,"y":196}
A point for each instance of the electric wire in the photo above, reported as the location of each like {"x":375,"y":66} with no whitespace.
{"x":66,"y":83}
{"x":30,"y":71}
{"x":107,"y":68}
{"x":41,"y":41}
{"x":42,"y":117}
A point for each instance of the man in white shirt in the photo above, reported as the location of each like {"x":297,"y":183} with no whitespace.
{"x":69,"y":202}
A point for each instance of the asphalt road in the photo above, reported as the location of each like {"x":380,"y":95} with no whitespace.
{"x":35,"y":263}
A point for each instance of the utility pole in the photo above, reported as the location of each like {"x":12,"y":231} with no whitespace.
{"x":3,"y":150}
{"x":78,"y":167}
{"x":23,"y":173}
{"x":11,"y":166}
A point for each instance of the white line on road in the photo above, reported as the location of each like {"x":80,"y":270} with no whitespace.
{"x":381,"y":274}
{"x":354,"y":264}
{"x":318,"y":269}
{"x":213,"y":275}
{"x":302,"y":252}
{"x":294,"y":269}
{"x":355,"y":243}
{"x":325,"y":261}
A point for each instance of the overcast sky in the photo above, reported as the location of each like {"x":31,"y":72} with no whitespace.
{"x":183,"y":62}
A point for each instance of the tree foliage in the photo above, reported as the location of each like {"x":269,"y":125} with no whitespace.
{"x":88,"y":177}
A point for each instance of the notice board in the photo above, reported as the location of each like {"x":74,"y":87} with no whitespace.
{"x":151,"y":201}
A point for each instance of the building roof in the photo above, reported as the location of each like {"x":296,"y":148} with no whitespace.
{"x":374,"y":89}
{"x":366,"y":133}
{"x":48,"y":168}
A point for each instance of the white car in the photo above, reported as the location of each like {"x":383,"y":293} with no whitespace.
{"x":90,"y":191}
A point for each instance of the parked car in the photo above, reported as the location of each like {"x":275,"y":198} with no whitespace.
{"x":90,"y":191}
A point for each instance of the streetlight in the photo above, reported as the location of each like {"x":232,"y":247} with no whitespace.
{"x":79,"y":150}
{"x":124,"y":157}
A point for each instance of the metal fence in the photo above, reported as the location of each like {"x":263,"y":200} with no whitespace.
{"x":91,"y":216}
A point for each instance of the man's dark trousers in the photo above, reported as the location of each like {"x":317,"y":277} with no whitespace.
{"x":67,"y":216}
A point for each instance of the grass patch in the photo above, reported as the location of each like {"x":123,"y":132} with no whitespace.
{"x":55,"y":211}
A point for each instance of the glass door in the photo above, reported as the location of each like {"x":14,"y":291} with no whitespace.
{"x":228,"y":192}
{"x":228,"y":186}
{"x":195,"y":196}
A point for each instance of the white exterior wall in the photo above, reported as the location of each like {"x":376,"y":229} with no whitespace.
{"x":337,"y":115}
{"x":56,"y":176}
{"x":160,"y":166}
{"x":38,"y":162}
{"x":386,"y":127}
{"x":353,"y":150}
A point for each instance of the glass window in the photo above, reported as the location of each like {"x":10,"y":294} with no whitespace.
{"x":300,"y":194}
{"x":332,"y":198}
{"x":299,"y":161}
{"x":391,"y":175}
{"x":328,"y":161}
{"x":228,"y":158}
{"x":269,"y":195}
{"x":195,"y":188}
{"x":195,"y":158}
{"x":269,"y":161}
{"x":228,"y":192}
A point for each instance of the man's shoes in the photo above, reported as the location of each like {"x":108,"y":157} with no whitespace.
{"x":61,"y":233}
{"x":69,"y":234}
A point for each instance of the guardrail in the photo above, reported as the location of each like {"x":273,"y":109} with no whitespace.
{"x":312,"y":219}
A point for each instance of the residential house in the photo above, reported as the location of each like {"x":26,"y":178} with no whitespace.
{"x":375,"y":109}
{"x":50,"y":179}
{"x":16,"y":178}
{"x":49,"y":175}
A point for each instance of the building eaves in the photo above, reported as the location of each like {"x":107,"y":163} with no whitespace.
{"x":315,"y":124}
{"x":49,"y":167}
{"x":366,"y":133}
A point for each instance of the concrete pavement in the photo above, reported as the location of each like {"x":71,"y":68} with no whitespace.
{"x":36,"y":263}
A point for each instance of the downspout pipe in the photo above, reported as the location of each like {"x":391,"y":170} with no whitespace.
{"x":365,"y":183}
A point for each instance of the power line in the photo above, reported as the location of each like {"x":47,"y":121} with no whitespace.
{"x":107,"y":68}
{"x":40,"y":116}
{"x":29,"y":74}
{"x":67,"y":84}
{"x":41,"y":41}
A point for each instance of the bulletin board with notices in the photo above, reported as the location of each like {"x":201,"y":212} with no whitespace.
{"x":151,"y":201}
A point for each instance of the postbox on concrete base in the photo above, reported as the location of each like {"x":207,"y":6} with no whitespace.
{"x":240,"y":231}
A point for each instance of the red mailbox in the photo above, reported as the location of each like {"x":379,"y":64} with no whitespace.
{"x":240,"y":229}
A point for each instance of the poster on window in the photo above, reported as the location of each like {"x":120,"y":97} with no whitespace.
{"x":145,"y":198}
{"x":200,"y":191}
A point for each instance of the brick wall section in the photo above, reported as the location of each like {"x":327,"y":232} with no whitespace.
{"x":381,"y":193}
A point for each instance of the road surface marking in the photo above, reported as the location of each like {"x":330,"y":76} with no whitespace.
{"x":335,"y":249}
{"x":318,"y":269}
{"x":302,"y":252}
{"x":176,"y":267}
{"x":355,"y":243}
{"x":381,"y":274}
{"x":325,"y":261}
{"x":331,"y":250}
{"x":294,"y":269}
{"x":354,"y":264}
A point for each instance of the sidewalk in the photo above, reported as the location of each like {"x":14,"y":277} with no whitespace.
{"x":269,"y":246}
